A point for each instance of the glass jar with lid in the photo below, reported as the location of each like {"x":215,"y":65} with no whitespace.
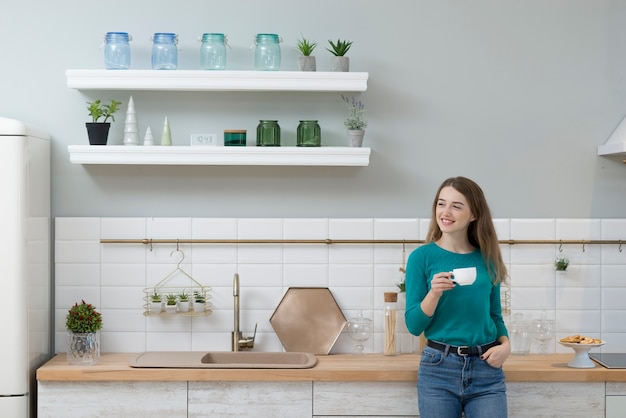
{"x":268,"y":133}
{"x":117,"y":51}
{"x":164,"y":51}
{"x":309,"y":134}
{"x":213,"y":51}
{"x":267,"y":52}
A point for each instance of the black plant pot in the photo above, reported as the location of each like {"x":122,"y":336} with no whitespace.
{"x":98,"y":132}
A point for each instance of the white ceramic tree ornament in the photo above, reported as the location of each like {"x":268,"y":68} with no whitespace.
{"x":148,"y":139}
{"x":131,"y":131}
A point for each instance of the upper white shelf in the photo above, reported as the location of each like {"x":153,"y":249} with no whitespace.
{"x":182,"y":80}
{"x":209,"y":155}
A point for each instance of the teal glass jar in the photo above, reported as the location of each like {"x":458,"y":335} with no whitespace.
{"x":309,"y":134}
{"x":213,"y":51}
{"x":117,"y":51}
{"x":267,"y":52}
{"x":235,"y":138}
{"x":164,"y":51}
{"x":268,"y":133}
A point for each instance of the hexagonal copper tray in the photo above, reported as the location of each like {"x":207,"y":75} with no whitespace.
{"x":308,"y":319}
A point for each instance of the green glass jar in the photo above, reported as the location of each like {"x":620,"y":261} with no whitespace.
{"x":309,"y":134}
{"x":268,"y":133}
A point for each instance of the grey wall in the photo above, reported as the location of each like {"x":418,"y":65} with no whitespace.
{"x":516,"y":95}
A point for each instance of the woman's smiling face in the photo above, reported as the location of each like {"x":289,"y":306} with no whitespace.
{"x":453,"y":212}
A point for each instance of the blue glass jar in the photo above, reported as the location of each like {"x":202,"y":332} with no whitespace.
{"x":213,"y":51}
{"x":267,"y":52}
{"x":268,"y":133}
{"x":164,"y":51}
{"x":117,"y":51}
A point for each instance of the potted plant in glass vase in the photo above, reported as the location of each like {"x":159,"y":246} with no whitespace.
{"x":306,"y":62}
{"x":83,"y":323}
{"x":355,"y":122}
{"x":98,"y":130}
{"x":339,"y":62}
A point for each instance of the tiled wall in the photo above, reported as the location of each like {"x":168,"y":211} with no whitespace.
{"x":588,"y":298}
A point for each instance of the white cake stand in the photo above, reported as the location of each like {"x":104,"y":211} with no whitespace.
{"x":581,"y":358}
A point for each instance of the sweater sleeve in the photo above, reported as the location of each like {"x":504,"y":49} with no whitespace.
{"x":496,"y":312}
{"x":416,"y":282}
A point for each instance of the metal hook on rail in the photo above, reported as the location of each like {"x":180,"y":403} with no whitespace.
{"x":583,"y":246}
{"x":620,"y":246}
{"x":402,"y":268}
{"x":561,"y":246}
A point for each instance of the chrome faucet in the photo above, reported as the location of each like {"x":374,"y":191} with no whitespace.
{"x":238,"y":341}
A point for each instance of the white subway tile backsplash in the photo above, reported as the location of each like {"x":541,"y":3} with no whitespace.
{"x":587,"y":298}
{"x":77,"y":229}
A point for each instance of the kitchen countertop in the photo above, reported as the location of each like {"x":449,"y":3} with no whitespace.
{"x":334,"y":367}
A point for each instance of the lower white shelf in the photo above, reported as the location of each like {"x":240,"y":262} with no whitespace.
{"x":209,"y":155}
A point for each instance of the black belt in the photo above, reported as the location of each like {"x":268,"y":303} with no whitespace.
{"x":463,"y":350}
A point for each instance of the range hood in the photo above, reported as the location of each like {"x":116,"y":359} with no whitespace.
{"x":616,"y":144}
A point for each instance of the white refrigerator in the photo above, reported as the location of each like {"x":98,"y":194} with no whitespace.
{"x":25,"y":269}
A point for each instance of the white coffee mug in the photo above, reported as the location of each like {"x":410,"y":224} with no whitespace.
{"x":464,"y":276}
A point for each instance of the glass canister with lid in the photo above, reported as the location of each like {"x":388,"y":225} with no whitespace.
{"x":519,"y":335}
{"x":268,"y":133}
{"x":164,"y":51}
{"x":309,"y":134}
{"x":213,"y":51}
{"x":267,"y":52}
{"x":117,"y":50}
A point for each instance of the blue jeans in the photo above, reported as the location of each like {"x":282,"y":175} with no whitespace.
{"x":449,"y":384}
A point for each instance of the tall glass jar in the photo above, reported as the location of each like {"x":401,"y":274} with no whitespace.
{"x":267,"y":52}
{"x":164,"y":51}
{"x":519,"y":335}
{"x":391,"y":324}
{"x":213,"y":51}
{"x":117,"y":51}
{"x":268,"y":133}
{"x":309,"y":134}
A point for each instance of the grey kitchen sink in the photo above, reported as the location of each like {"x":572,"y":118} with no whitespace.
{"x":224,"y":360}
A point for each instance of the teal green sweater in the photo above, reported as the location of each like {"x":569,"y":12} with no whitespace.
{"x":465,"y":315}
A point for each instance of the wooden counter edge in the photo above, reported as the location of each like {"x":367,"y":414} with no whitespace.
{"x":334,"y":367}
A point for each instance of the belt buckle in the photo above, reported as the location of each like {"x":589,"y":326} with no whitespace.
{"x":460,"y":349}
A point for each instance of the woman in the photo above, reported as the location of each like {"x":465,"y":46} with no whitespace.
{"x":467,"y":341}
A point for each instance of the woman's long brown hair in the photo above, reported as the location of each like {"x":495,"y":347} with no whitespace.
{"x":481,"y":232}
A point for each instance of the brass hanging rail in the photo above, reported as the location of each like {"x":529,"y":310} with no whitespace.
{"x":149,"y":241}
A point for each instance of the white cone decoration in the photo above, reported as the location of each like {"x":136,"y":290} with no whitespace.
{"x":131,"y":131}
{"x":148,"y":139}
{"x":166,"y":136}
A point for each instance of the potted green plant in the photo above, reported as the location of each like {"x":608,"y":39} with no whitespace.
{"x":83,"y":322}
{"x":199,"y":301}
{"x":183,"y":302}
{"x":98,"y":128}
{"x":355,"y":123}
{"x":339,"y":62}
{"x":306,"y":62}
{"x":561,"y":263}
{"x":170,"y":304}
{"x":156,"y":303}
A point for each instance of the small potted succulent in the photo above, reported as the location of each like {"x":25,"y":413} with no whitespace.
{"x":183,"y":302}
{"x":561,"y":263}
{"x":171,"y":303}
{"x":156,"y":303}
{"x":83,"y":322}
{"x":339,"y":62}
{"x":306,"y":62}
{"x":355,"y":123}
{"x":199,"y":301}
{"x":97,"y":129}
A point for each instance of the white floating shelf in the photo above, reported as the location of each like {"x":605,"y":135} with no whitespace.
{"x":208,"y":155}
{"x":615,"y":148}
{"x":182,"y":80}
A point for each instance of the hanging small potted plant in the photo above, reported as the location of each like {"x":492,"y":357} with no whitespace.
{"x":199,"y":301}
{"x":83,"y":323}
{"x":171,"y":303}
{"x":561,"y":263}
{"x":306,"y":62}
{"x":339,"y":62}
{"x":98,"y":130}
{"x":156,"y":304}
{"x":355,"y":122}
{"x":183,"y":302}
